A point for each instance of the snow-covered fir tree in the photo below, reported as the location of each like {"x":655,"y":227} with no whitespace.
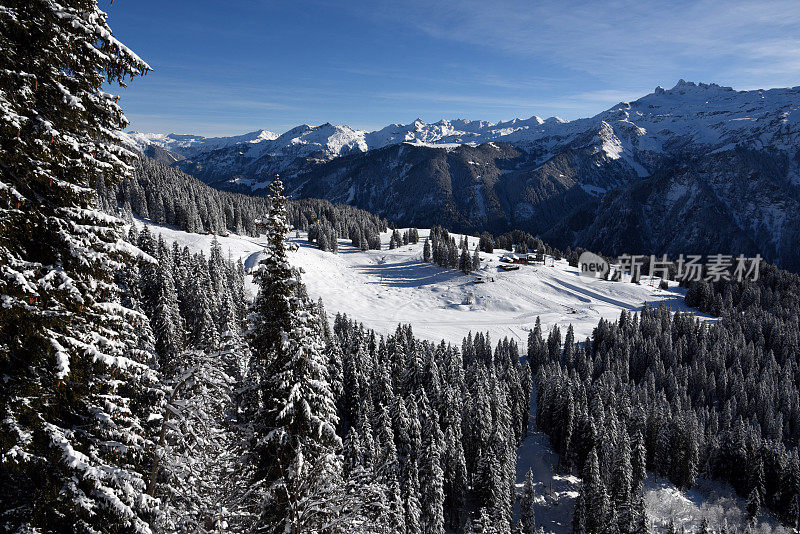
{"x":527,"y":517}
{"x":297,"y":450}
{"x":199,"y":444}
{"x":78,"y":388}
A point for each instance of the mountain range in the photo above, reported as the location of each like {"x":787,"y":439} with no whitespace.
{"x":698,"y":168}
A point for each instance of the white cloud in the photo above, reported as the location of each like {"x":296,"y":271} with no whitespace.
{"x":634,"y":39}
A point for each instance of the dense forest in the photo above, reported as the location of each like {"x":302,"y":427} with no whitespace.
{"x":166,"y":195}
{"x":145,"y":391}
{"x":411,"y":415}
{"x":679,"y":397}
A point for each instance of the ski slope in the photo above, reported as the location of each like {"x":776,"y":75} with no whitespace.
{"x":387,"y":287}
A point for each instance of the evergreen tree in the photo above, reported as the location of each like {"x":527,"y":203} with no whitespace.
{"x":464,"y":261}
{"x":298,"y":466}
{"x":639,"y":463}
{"x":432,"y":476}
{"x":597,"y":500}
{"x":162,"y":307}
{"x":77,"y":387}
{"x":622,"y":485}
{"x":526,"y":515}
{"x":455,"y":477}
{"x":537,"y":351}
{"x":197,"y":444}
{"x":485,"y":243}
{"x":412,"y":517}
{"x":579,"y":514}
{"x":753,"y":504}
{"x":642,"y":522}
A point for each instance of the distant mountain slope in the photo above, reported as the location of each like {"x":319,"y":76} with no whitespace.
{"x":665,"y":121}
{"x":698,"y":167}
{"x":738,"y":201}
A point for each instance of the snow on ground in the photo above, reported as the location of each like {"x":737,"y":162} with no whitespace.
{"x":384,"y":288}
{"x":387,"y":287}
{"x":555,"y":493}
{"x":715,"y":501}
{"x":233,"y":245}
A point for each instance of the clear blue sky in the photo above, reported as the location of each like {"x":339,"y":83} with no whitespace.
{"x":228,"y":67}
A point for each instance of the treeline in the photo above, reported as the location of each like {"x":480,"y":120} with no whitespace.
{"x":679,"y":397}
{"x":410,"y":236}
{"x":515,"y":241}
{"x":441,"y":249}
{"x":326,"y":222}
{"x":776,"y":292}
{"x":168,"y":196}
{"x":519,"y":241}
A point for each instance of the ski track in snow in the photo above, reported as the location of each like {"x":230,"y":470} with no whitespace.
{"x":383,"y":288}
{"x":387,"y":287}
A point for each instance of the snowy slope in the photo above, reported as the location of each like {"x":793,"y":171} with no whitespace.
{"x":387,"y":287}
{"x":383,"y":288}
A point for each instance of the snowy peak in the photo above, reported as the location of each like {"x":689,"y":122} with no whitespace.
{"x":707,"y":113}
{"x":713,"y":115}
{"x":187,"y":144}
{"x":695,"y":118}
{"x":327,"y":138}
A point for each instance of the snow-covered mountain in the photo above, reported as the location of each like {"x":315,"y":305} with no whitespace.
{"x":621,"y":180}
{"x":187,"y":145}
{"x":705,"y":115}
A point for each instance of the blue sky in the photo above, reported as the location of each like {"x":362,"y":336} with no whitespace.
{"x":228,"y":67}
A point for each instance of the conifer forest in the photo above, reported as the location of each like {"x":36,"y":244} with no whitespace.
{"x":342,"y":331}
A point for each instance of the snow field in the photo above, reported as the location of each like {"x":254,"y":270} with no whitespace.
{"x":386,"y":287}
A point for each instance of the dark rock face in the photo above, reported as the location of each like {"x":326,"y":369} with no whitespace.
{"x":740,"y":201}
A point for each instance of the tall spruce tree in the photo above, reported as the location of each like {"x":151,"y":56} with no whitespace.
{"x":527,"y":518}
{"x":296,"y":445}
{"x":77,"y":391}
{"x":432,"y":475}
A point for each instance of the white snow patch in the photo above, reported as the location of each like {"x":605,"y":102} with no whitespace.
{"x":387,"y":287}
